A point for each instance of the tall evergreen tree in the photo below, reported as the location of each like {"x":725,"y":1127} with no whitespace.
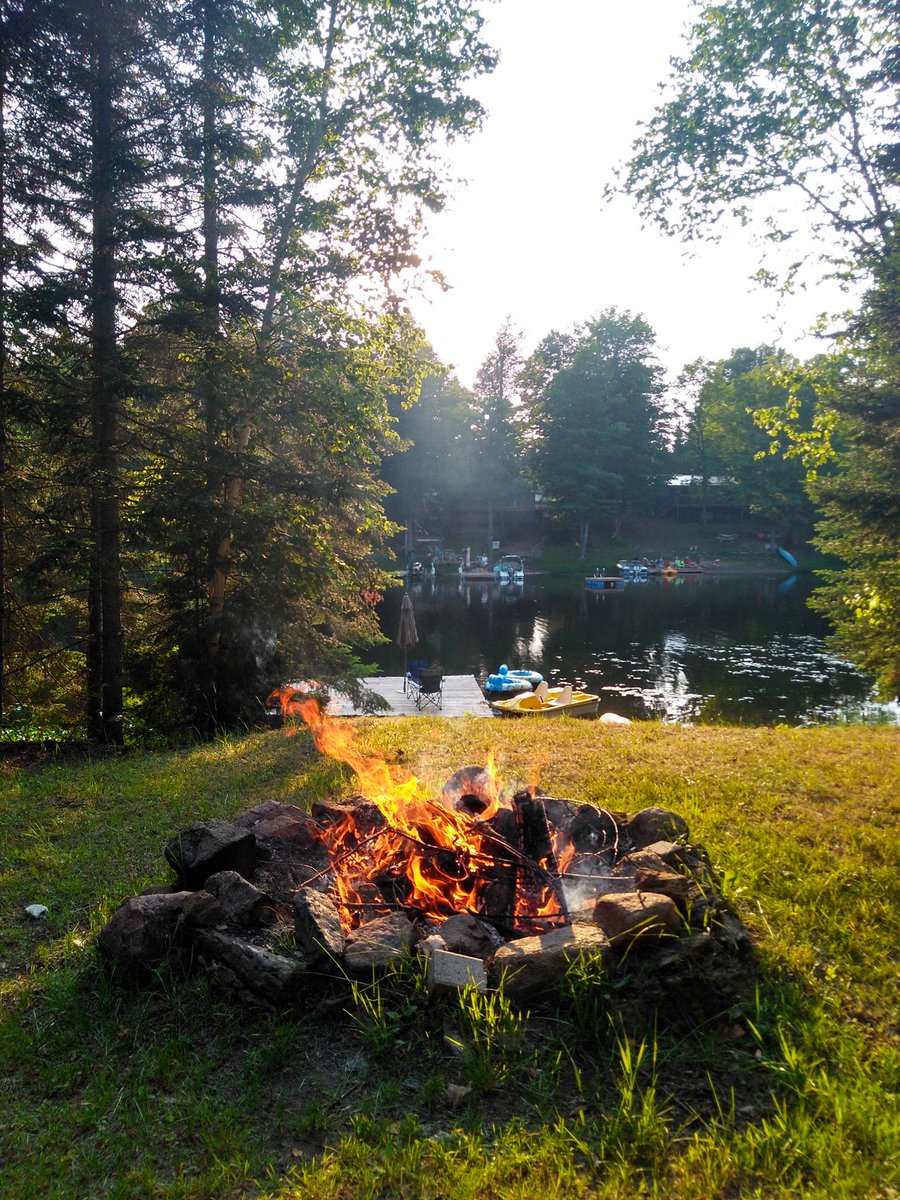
{"x":82,"y":120}
{"x":496,"y":426}
{"x":353,"y":98}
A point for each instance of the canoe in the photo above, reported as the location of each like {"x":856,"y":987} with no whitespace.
{"x":556,"y":702}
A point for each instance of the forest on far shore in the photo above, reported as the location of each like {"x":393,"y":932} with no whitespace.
{"x":217,"y":413}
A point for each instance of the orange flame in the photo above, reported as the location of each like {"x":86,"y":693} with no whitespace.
{"x":428,"y":856}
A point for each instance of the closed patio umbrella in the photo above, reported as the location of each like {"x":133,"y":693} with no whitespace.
{"x":407,"y":634}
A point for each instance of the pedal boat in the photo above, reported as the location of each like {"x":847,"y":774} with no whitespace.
{"x":549,"y":702}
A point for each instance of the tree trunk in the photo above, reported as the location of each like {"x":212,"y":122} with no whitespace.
{"x":104,"y":645}
{"x":209,"y":381}
{"x":4,"y":616}
{"x":585,"y":534}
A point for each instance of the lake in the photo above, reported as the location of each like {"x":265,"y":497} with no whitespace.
{"x":740,"y":649}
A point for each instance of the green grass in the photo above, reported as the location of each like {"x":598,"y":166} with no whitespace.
{"x":786,"y":1085}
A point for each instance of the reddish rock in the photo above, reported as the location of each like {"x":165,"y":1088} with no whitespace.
{"x":201,"y":911}
{"x":281,"y":822}
{"x":466,"y":934}
{"x":665,"y":883}
{"x":241,"y":902}
{"x":248,"y":968}
{"x":646,"y":859}
{"x":627,"y":916}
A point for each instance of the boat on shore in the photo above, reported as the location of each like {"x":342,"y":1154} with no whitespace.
{"x":672,"y":566}
{"x":510,"y":569}
{"x":549,"y":702}
{"x":633,"y":569}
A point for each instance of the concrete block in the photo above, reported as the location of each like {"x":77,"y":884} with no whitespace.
{"x":452,"y":972}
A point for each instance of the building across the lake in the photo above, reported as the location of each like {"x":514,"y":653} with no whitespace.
{"x":684,"y":500}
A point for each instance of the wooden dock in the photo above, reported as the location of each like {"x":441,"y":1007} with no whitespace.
{"x":461,"y":697}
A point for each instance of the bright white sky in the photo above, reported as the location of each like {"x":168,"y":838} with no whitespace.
{"x":529,"y":236}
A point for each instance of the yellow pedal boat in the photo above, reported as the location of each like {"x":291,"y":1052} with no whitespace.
{"x":549,"y":702}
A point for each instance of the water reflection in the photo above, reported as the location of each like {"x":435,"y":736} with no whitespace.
{"x":697,"y":648}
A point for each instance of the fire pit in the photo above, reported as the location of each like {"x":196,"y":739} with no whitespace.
{"x":498,"y":885}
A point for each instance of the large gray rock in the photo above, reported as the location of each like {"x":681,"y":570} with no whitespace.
{"x":272,"y":820}
{"x":378,"y":943}
{"x":140,"y":933}
{"x":665,"y":883}
{"x":317,"y":926}
{"x":466,"y":934}
{"x":241,"y":902}
{"x":530,"y":965}
{"x":256,"y":972}
{"x":210,"y":846}
{"x":655,"y":825}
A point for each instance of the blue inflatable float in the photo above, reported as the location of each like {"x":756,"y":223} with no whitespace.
{"x":507,"y":682}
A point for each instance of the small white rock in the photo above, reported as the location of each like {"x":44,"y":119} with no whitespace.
{"x":611,"y":718}
{"x":38,"y":911}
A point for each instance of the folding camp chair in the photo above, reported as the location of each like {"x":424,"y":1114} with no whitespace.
{"x":411,"y":678}
{"x":430,"y":690}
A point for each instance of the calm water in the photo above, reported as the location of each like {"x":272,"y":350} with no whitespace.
{"x":699,"y":648}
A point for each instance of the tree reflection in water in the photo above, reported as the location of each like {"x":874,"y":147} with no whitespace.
{"x":699,"y":648}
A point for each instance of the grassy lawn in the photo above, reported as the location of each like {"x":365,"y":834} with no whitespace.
{"x":617,"y":1086}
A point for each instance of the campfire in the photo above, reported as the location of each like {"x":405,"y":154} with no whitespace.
{"x":497,"y":884}
{"x":467,"y":850}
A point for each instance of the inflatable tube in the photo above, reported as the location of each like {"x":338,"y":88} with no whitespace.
{"x":506,"y":683}
{"x":533,"y":677}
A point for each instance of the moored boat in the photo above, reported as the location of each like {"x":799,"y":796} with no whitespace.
{"x":549,"y":702}
{"x":632,"y":569}
{"x":510,"y":569}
